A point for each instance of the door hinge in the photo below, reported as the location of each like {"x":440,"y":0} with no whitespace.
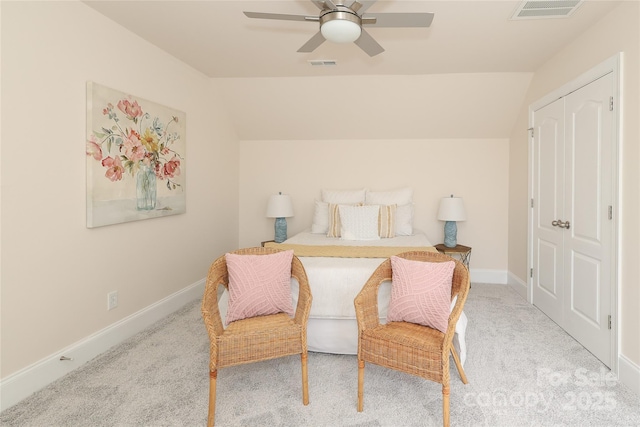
{"x":609,"y":319}
{"x":531,"y":130}
{"x":531,"y":202}
{"x":611,"y":103}
{"x":610,"y":212}
{"x":531,"y":273}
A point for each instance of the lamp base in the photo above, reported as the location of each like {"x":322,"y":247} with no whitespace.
{"x":281,"y":230}
{"x":450,"y":234}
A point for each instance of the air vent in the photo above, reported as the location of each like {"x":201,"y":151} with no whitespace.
{"x":322,"y":62}
{"x":544,"y":9}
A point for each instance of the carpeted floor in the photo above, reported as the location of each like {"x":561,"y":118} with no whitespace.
{"x":523,"y":370}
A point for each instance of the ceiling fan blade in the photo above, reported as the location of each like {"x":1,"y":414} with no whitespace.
{"x":368,"y":44}
{"x":325,"y":4}
{"x":322,"y":5}
{"x":280,"y":16}
{"x":399,"y":19}
{"x":313,"y":43}
{"x":361,"y":6}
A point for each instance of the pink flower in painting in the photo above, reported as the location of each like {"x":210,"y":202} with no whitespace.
{"x":133,"y":148}
{"x":93,"y":149}
{"x":131,"y":110}
{"x":172,"y":167}
{"x":107,"y":110}
{"x":114,"y":168}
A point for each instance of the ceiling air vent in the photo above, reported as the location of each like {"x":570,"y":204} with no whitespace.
{"x":543,"y":9}
{"x":322,"y":62}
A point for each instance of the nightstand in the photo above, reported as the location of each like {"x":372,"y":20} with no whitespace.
{"x":266,"y":241}
{"x":461,"y":251}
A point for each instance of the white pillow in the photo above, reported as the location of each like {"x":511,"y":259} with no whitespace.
{"x":398,"y":197}
{"x":320,"y":218}
{"x":359,"y":222}
{"x":404,"y":220}
{"x":339,"y":197}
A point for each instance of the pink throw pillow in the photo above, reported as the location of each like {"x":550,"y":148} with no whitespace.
{"x":259,"y":285}
{"x":421,"y":292}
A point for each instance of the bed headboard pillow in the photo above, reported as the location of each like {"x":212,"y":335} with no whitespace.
{"x":343,"y":197}
{"x":259,"y":285}
{"x":359,"y":222}
{"x":398,"y":197}
{"x":320,"y":222}
{"x":404,"y":220}
{"x":421,"y":292}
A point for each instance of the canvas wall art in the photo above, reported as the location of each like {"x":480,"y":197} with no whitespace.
{"x":135,"y":152}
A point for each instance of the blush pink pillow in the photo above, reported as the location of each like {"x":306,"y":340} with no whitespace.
{"x":259,"y":285}
{"x":421,"y":292}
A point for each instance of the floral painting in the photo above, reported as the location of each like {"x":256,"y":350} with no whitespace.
{"x":135,"y":153}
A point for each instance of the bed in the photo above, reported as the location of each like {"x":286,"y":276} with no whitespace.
{"x":351,"y":234}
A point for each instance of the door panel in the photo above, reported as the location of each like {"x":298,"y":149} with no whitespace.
{"x":589,"y":182}
{"x":548,"y":185}
{"x":585,"y":282}
{"x":547,"y":277}
{"x":585,"y":148}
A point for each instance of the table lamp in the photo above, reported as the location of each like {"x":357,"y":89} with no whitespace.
{"x":280,"y":207}
{"x":451,"y":210}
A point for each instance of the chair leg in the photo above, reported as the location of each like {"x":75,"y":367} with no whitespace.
{"x":456,"y":359}
{"x":213,"y":375}
{"x":360,"y":385}
{"x":445,"y":406}
{"x":305,"y":381}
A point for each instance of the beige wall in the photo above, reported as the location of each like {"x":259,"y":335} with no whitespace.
{"x":56,"y":273}
{"x":397,"y":107}
{"x":474,"y":169}
{"x":616,"y":32}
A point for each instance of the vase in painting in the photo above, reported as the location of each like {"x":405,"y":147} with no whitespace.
{"x":146,"y":189}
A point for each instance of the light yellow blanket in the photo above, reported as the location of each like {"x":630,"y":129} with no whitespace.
{"x":347,"y":251}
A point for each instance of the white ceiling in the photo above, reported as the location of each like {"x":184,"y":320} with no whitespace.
{"x":215,"y":37}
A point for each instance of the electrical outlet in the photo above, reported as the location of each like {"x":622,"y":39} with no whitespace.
{"x":112,"y":300}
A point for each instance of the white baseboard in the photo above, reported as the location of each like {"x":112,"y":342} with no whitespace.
{"x":27,"y":381}
{"x":498,"y":277}
{"x":518,"y":285}
{"x":629,"y":373}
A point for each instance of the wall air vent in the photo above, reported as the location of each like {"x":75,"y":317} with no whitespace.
{"x":322,"y":62}
{"x":545,"y":9}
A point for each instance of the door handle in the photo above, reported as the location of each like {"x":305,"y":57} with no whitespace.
{"x":560,"y":223}
{"x":564,"y":224}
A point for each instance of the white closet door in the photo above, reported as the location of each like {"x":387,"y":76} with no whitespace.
{"x":548,"y":185}
{"x":573,"y":187}
{"x":588,"y":194}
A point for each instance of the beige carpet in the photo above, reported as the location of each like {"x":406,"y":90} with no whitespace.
{"x":523,"y":370}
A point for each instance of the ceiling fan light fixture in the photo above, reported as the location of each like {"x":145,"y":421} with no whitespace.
{"x":340,"y":27}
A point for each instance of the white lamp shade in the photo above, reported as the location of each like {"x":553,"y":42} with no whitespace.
{"x":279,"y":206}
{"x":340,"y":31}
{"x":451,"y":209}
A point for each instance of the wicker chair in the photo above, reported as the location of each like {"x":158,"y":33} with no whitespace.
{"x":258,"y":338}
{"x":408,"y":347}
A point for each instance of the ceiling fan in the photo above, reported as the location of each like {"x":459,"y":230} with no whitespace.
{"x":345,"y":24}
